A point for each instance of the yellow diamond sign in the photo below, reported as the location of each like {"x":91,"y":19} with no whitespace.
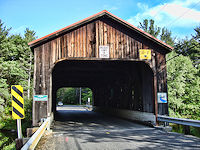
{"x":145,"y":54}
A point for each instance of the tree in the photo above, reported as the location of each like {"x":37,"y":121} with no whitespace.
{"x":15,"y":68}
{"x":165,"y":35}
{"x":29,"y":36}
{"x":183,"y":72}
{"x":190,"y":47}
{"x":86,"y":93}
{"x":183,"y":87}
{"x":67,"y":95}
{"x":151,"y":29}
{"x":197,"y":34}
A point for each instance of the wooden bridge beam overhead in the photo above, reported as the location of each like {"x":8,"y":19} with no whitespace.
{"x":77,"y":47}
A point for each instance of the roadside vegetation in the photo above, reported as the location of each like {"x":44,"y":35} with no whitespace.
{"x":16,"y":67}
{"x":183,"y":73}
{"x":71,"y":96}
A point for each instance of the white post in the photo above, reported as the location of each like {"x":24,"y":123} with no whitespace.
{"x":88,"y":101}
{"x":19,"y":129}
{"x":80,"y":97}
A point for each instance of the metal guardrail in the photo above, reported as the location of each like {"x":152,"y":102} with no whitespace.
{"x":33,"y":141}
{"x":186,"y":122}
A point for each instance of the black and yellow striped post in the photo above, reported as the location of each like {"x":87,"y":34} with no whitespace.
{"x":17,"y":106}
{"x":17,"y":102}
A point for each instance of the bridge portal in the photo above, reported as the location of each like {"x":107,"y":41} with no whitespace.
{"x":102,"y":52}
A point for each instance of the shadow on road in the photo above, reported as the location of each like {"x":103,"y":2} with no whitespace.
{"x":89,"y":130}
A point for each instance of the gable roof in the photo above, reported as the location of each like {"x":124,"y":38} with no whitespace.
{"x":95,"y":16}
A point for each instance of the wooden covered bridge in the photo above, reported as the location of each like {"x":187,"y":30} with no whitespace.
{"x":104,"y":53}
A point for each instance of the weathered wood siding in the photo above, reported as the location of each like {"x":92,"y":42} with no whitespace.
{"x":84,"y":42}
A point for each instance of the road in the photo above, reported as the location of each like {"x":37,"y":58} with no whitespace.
{"x":79,"y":129}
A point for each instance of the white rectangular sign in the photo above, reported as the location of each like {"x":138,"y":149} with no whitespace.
{"x":162,"y":97}
{"x":104,"y":52}
{"x":42,"y":98}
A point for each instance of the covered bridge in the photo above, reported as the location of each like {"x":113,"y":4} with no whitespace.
{"x":104,"y":53}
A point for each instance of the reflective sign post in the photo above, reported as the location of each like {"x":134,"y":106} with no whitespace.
{"x":19,"y":128}
{"x":18,"y":107}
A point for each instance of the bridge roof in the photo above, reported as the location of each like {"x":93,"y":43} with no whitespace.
{"x":93,"y":17}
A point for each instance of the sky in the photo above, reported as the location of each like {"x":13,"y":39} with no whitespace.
{"x":47,"y":16}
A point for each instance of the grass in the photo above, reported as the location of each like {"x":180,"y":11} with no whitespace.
{"x":195,"y":131}
{"x":6,"y":143}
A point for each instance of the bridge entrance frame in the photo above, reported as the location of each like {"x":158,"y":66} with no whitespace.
{"x":80,"y":43}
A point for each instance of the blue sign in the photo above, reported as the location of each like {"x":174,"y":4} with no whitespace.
{"x":40,"y":98}
{"x":162,"y":97}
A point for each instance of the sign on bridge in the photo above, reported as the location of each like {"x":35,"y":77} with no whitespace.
{"x":145,"y":54}
{"x":40,"y":98}
{"x":162,"y":97}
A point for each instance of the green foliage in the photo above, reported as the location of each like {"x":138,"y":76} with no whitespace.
{"x":71,"y":95}
{"x":86,"y":93}
{"x":149,"y":27}
{"x":6,"y":143}
{"x":165,"y":35}
{"x":67,"y":95}
{"x":197,"y":34}
{"x":16,"y":68}
{"x":183,"y":71}
{"x":189,"y":48}
{"x":183,"y":87}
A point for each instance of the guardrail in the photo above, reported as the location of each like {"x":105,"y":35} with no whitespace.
{"x":186,"y":122}
{"x":33,"y":141}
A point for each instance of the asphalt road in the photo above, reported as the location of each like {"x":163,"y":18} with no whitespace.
{"x":78,"y":129}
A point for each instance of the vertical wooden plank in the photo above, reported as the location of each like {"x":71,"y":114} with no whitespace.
{"x":105,"y":34}
{"x":58,"y":48}
{"x":69,"y":44}
{"x":62,"y":46}
{"x":128,"y":46}
{"x":84,"y":41}
{"x":125,"y":46}
{"x":122,"y":45}
{"x":48,"y":78}
{"x":89,"y":40}
{"x":93,"y":40}
{"x":114,"y":42}
{"x":57,"y":52}
{"x":54,"y":50}
{"x":66,"y":45}
{"x":131,"y":48}
{"x":55,"y":47}
{"x":136,"y":49}
{"x":81,"y":42}
{"x":78,"y":43}
{"x":73,"y":43}
{"x":117,"y":44}
{"x":43,"y":70}
{"x":97,"y":39}
{"x":111,"y":42}
{"x":108,"y":38}
{"x":101,"y":33}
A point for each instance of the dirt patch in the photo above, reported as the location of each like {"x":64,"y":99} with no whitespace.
{"x":46,"y":142}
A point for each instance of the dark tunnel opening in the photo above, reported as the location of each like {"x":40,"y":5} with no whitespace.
{"x":115,"y":84}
